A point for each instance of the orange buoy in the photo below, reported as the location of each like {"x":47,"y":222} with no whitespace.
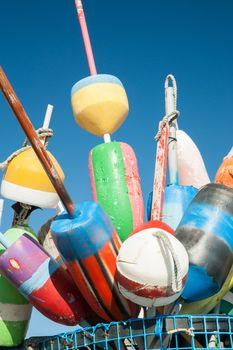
{"x":224,"y":174}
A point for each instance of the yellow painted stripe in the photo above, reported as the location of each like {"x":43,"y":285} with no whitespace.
{"x":26,"y":170}
{"x":100,"y":108}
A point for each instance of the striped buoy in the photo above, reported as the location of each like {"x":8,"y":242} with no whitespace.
{"x":115,"y":184}
{"x":42,"y":281}
{"x":100,"y":104}
{"x":25,"y":181}
{"x":89,"y":245}
{"x":15,"y":310}
{"x":152,"y":266}
{"x":206,"y":231}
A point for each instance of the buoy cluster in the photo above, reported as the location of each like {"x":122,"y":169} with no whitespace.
{"x":101,"y":261}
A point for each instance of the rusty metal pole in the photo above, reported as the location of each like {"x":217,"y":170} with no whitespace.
{"x":36,"y":144}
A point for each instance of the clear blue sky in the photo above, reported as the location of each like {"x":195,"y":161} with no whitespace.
{"x":140,"y":42}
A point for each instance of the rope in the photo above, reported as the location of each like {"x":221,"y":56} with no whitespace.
{"x":177,"y":280}
{"x":188,"y":331}
{"x":43,"y":133}
{"x":166,"y":119}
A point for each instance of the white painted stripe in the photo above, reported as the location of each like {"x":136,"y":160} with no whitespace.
{"x":32,"y":197}
{"x":147,"y":302}
{"x":228,"y":297}
{"x":14,"y":312}
{"x":39,"y":277}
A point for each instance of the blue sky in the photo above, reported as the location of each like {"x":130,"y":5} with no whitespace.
{"x":140,"y":42}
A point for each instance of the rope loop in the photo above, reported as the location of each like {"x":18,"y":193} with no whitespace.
{"x":177,"y":279}
{"x":44,"y":134}
{"x":169,"y":118}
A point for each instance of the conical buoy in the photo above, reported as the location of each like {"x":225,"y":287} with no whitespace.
{"x":100,"y":104}
{"x":224,"y":174}
{"x":25,"y":181}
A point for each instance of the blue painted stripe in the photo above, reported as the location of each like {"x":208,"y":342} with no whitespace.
{"x":211,"y":220}
{"x":40,"y":277}
{"x":199,"y":284}
{"x":94,"y":79}
{"x":84,"y":234}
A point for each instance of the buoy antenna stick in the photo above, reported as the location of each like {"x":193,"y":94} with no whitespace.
{"x":47,"y":119}
{"x":86,"y":38}
{"x":36,"y":144}
{"x":88,"y":48}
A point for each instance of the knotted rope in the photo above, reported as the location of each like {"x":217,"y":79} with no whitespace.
{"x":177,"y":284}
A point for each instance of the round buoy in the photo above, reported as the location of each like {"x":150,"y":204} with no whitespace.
{"x":25,"y":181}
{"x":152,"y":266}
{"x":100,"y":104}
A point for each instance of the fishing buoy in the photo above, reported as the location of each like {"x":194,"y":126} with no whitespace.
{"x":176,"y":200}
{"x":191,"y":167}
{"x":224,"y":174}
{"x":99,"y":103}
{"x":206,"y":232}
{"x":15,"y":310}
{"x":45,"y":283}
{"x":115,"y":184}
{"x":26,"y":181}
{"x":152,"y":266}
{"x":89,"y":246}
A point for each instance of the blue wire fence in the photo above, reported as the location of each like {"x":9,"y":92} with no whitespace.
{"x":163,"y":332}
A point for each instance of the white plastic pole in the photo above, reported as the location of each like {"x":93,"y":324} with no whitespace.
{"x":47,"y":119}
{"x":172,"y":152}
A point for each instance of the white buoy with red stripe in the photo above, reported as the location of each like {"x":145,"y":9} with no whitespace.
{"x":152,"y":267}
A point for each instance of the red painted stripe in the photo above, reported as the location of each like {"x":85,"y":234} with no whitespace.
{"x":59,"y":300}
{"x":87,"y":290}
{"x":143,"y":290}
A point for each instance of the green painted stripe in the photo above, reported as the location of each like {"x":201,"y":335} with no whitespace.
{"x":111,"y":187}
{"x":12,"y":333}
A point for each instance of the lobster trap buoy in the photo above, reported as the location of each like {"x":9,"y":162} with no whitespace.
{"x":152,"y":266}
{"x":99,"y":103}
{"x":115,"y":185}
{"x":25,"y":181}
{"x":224,"y":174}
{"x":206,"y":232}
{"x":15,"y":310}
{"x":191,"y":166}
